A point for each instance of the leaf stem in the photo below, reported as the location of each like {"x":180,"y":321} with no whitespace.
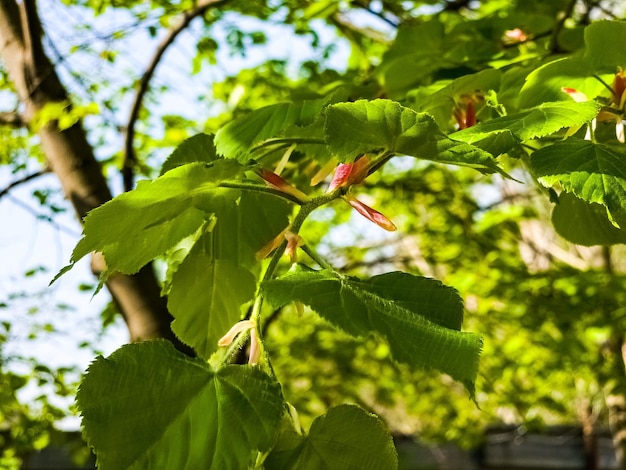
{"x":285,"y":142}
{"x":260,"y":189}
{"x":319,"y":259}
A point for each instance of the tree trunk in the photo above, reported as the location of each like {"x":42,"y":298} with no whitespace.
{"x":71,"y":158}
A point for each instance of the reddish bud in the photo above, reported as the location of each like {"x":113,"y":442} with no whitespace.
{"x":282,"y":185}
{"x":465,"y":114}
{"x":371,"y":214}
{"x":619,"y":85}
{"x":576,"y":95}
{"x":347,"y":174}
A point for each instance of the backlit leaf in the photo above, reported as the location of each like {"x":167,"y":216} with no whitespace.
{"x":584,"y":223}
{"x":353,"y":129}
{"x":593,"y":172}
{"x":418,"y":316}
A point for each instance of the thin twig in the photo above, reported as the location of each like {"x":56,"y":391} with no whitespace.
{"x":560,"y":24}
{"x":130,"y":157}
{"x":23,"y":180}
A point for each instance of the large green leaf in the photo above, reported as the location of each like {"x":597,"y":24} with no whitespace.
{"x":418,"y":316}
{"x":205,"y":299}
{"x":147,"y":406}
{"x":236,"y":139}
{"x":214,"y":280}
{"x":584,"y":223}
{"x":601,"y":38}
{"x":346,"y":437}
{"x":353,"y":129}
{"x":594,"y":172}
{"x":545,"y":119}
{"x":140,"y":225}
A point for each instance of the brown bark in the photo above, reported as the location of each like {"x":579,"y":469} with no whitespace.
{"x":71,"y":158}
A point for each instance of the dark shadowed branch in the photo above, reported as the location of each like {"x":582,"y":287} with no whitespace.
{"x":130,"y":158}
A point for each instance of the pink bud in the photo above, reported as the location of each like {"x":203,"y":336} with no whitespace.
{"x":255,"y":348}
{"x":619,"y":85}
{"x":347,"y":174}
{"x":282,"y":185}
{"x":371,"y":214}
{"x":237,"y":328}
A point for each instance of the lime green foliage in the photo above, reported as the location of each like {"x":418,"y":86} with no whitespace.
{"x":398,"y":306}
{"x":499,"y":135}
{"x":593,"y":172}
{"x":236,"y":410}
{"x":362,"y":127}
{"x":345,"y":437}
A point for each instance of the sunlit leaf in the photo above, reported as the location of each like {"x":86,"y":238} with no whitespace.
{"x":199,"y":148}
{"x":418,"y":316}
{"x":593,"y":172}
{"x":147,"y":406}
{"x":140,"y":225}
{"x":546,"y":119}
{"x":353,"y":129}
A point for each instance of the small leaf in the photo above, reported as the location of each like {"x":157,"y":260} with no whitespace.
{"x":236,"y":139}
{"x":419,"y":317}
{"x":354,"y":129}
{"x":346,"y":437}
{"x":147,"y":406}
{"x":584,"y":223}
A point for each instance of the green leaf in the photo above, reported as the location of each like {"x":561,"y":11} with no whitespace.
{"x":600,"y":58}
{"x":548,"y":118}
{"x":205,"y":299}
{"x":346,"y":437}
{"x":136,"y":227}
{"x":199,"y":148}
{"x":441,"y":103}
{"x":214,"y":280}
{"x":236,"y":139}
{"x":405,"y":64}
{"x":601,"y":53}
{"x":353,"y":129}
{"x":583,"y":223}
{"x":147,"y":406}
{"x":594,"y":172}
{"x":418,"y":316}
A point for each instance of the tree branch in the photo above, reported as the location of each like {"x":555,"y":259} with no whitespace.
{"x":71,"y":158}
{"x":12,"y":119}
{"x":24,"y":179}
{"x":130,"y":158}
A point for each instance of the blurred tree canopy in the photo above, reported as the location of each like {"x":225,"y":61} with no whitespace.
{"x":98,"y":93}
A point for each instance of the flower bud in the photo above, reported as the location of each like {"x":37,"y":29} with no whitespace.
{"x":282,"y":185}
{"x":371,"y":214}
{"x":347,"y":174}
